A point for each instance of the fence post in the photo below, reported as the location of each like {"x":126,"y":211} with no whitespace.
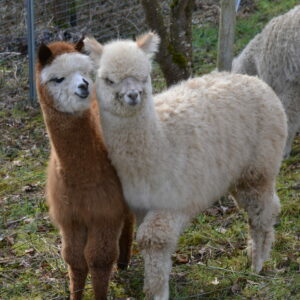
{"x":237,"y":5}
{"x":31,"y":51}
{"x":226,"y":34}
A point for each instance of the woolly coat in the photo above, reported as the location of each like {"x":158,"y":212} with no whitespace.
{"x":201,"y":138}
{"x":273,"y":55}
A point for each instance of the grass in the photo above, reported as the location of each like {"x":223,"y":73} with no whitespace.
{"x":210,"y":261}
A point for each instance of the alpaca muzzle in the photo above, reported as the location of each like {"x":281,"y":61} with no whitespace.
{"x":83,"y":90}
{"x":132,"y":98}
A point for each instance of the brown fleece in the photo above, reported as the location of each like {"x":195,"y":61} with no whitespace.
{"x":84,"y":193}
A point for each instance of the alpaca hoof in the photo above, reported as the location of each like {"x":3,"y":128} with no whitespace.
{"x":123,"y":266}
{"x":257,"y":266}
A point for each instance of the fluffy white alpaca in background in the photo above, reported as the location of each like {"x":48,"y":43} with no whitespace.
{"x":274,"y":56}
{"x":178,"y":153}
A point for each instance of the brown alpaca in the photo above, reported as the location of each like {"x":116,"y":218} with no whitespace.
{"x":83,"y":191}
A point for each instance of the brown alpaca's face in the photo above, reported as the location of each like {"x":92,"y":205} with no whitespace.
{"x":68,"y":80}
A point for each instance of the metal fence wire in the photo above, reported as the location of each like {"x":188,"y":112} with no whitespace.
{"x":22,"y":32}
{"x":56,"y":20}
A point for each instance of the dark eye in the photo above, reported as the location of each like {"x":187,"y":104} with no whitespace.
{"x":58,"y":80}
{"x":108,"y":81}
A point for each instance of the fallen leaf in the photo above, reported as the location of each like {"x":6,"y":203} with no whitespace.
{"x":221,"y":230}
{"x":17,"y":163}
{"x":251,"y":282}
{"x":30,"y":251}
{"x":181,"y":258}
{"x":213,"y":211}
{"x":235,"y":288}
{"x":215,"y":281}
{"x":29,"y":188}
{"x":10,"y":240}
{"x":28,"y":220}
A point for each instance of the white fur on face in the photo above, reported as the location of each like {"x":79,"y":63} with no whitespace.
{"x":124,"y":98}
{"x":68,"y":81}
{"x":123,"y":79}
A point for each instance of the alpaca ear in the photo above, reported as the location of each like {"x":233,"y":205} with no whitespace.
{"x":93,"y":49}
{"x":148,"y":42}
{"x":80,"y":44}
{"x":44,"y":54}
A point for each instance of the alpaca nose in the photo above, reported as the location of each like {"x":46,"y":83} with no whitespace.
{"x":132,"y":98}
{"x":84,"y":86}
{"x":83,"y":89}
{"x":132,"y":95}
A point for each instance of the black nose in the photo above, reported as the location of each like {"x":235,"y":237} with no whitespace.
{"x":84,"y":85}
{"x":132,"y":95}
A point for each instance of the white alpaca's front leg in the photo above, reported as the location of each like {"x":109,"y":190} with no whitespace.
{"x":158,"y":266}
{"x":157,"y":237}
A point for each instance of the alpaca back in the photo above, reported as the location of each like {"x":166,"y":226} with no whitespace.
{"x":273,"y":55}
{"x":280,"y":50}
{"x":195,"y":148}
{"x":186,"y":147}
{"x":274,"y":52}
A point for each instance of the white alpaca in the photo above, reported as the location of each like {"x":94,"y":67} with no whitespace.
{"x":180,"y":152}
{"x":274,"y":56}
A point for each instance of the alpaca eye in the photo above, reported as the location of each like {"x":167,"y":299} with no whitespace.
{"x":58,"y":80}
{"x":108,"y":81}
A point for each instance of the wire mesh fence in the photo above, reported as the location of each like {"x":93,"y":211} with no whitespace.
{"x":57,"y":20}
{"x":61,"y":20}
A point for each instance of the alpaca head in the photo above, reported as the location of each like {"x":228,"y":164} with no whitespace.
{"x":65,"y":73}
{"x":123,"y":78}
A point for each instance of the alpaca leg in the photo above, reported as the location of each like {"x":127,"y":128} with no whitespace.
{"x":73,"y":240}
{"x":262,"y":221}
{"x":293,"y":128}
{"x":263,"y":207}
{"x":101,"y":252}
{"x":158,"y":266}
{"x":291,"y":102}
{"x":157,"y":236}
{"x":125,"y":242}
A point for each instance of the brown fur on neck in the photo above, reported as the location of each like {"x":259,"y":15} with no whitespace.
{"x":77,"y":148}
{"x":84,"y":193}
{"x":78,"y":154}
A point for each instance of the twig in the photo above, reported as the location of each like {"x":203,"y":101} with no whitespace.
{"x":60,"y":297}
{"x":7,"y":277}
{"x":10,"y":53}
{"x":236,"y":272}
{"x":15,"y":221}
{"x":202,"y":294}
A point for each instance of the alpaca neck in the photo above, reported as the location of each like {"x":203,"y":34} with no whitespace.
{"x":140,"y":135}
{"x":75,"y":141}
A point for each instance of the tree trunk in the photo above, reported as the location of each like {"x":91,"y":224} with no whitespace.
{"x":181,"y":35}
{"x":226,"y":35}
{"x":175,"y":52}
